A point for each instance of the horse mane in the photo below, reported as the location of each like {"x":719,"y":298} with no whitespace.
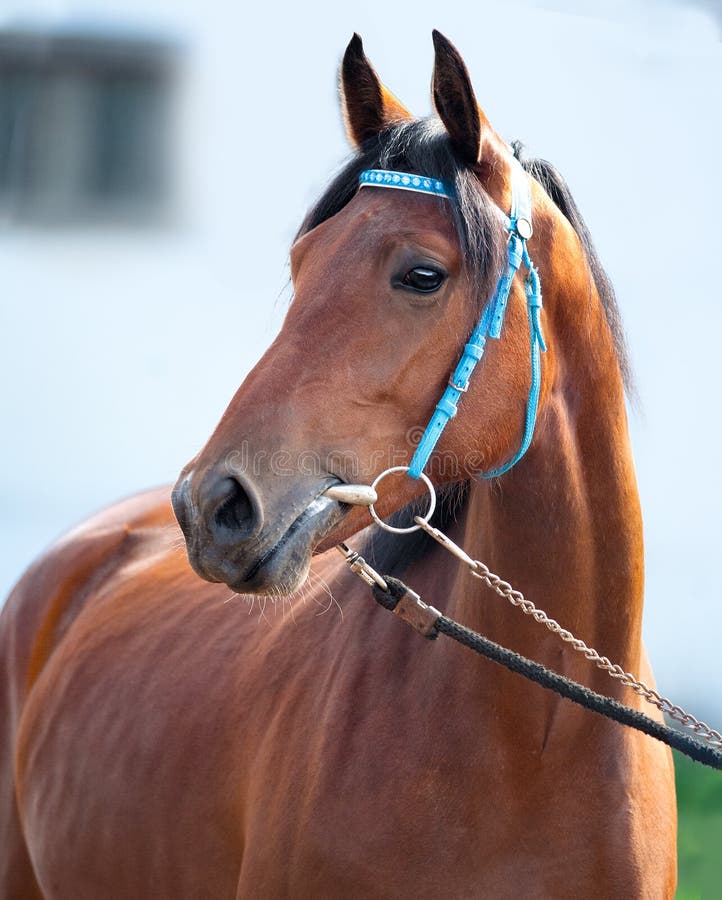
{"x":558,"y":190}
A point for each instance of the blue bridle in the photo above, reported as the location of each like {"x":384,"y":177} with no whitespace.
{"x":519,"y":226}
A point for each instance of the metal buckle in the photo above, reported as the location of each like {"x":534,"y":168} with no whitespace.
{"x":456,"y":387}
{"x":419,"y":615}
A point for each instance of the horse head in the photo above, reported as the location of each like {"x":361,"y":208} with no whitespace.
{"x":388,"y":285}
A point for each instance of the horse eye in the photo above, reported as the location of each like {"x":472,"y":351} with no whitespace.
{"x":423,"y":279}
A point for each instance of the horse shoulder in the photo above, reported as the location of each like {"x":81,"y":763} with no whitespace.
{"x":37,"y":613}
{"x":54,"y":589}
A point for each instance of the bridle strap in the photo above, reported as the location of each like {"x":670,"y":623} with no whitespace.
{"x":537,"y":346}
{"x":519,"y":226}
{"x":403,"y":181}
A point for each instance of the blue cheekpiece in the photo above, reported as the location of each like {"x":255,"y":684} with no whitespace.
{"x":492,"y":319}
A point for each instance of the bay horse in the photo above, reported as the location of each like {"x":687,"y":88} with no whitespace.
{"x":160,"y":742}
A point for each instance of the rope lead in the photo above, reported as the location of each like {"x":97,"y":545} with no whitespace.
{"x":400,"y":599}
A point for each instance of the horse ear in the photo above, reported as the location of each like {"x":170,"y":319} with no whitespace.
{"x":455,"y":102}
{"x":368,"y":107}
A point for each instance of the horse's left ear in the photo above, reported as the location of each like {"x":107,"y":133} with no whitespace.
{"x":455,"y":101}
{"x":368,"y":107}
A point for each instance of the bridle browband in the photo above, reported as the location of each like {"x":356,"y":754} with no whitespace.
{"x":519,"y":226}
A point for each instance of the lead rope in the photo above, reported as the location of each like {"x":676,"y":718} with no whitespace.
{"x":517,"y":599}
{"x":406,"y":603}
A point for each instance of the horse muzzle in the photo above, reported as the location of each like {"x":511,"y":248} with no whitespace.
{"x":253,"y":541}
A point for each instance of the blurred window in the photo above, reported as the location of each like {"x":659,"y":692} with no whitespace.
{"x":84,"y":127}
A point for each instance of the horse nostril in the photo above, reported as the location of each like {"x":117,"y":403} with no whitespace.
{"x":234,"y":510}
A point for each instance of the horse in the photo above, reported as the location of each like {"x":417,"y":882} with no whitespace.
{"x":164,"y":738}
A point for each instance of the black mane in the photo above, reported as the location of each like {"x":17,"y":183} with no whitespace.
{"x":558,"y":190}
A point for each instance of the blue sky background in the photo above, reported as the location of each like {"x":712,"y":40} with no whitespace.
{"x":120,"y":349}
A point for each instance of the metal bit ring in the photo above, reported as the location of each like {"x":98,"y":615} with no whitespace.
{"x":429,"y":512}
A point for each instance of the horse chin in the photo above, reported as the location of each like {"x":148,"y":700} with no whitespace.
{"x":280,"y":564}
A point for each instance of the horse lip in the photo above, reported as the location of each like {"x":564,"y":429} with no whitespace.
{"x":313,"y":508}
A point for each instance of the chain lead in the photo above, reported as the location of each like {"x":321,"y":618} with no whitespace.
{"x":517,"y":599}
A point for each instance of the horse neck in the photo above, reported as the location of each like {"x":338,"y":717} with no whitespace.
{"x":564,"y":525}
